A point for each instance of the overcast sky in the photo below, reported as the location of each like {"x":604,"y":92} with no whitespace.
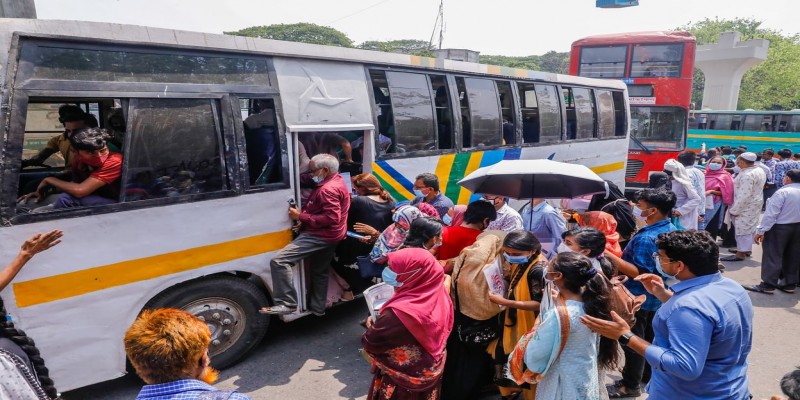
{"x":506,"y":27}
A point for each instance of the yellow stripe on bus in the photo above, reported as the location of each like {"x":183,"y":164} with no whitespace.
{"x":602,"y":169}
{"x":473,"y":164}
{"x":377,"y":170}
{"x":71,"y":284}
{"x":443,"y":168}
{"x":748,"y":138}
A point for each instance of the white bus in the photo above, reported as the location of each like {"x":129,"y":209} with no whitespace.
{"x":198,"y":217}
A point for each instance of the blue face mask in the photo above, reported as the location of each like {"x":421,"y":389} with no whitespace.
{"x":715,"y":166}
{"x":317,"y":179}
{"x":515,"y":259}
{"x":447,"y":219}
{"x":418,"y":192}
{"x":660,"y":269}
{"x":390,"y":277}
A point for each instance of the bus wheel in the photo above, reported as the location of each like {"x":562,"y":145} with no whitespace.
{"x":229,"y":306}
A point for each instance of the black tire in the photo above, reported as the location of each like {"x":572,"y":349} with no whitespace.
{"x":226,"y":303}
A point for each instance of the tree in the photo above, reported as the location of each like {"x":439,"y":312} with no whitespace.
{"x":403,"y":46}
{"x":773,"y":84}
{"x":301,"y":32}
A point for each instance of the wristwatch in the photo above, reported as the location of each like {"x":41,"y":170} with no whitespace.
{"x":625,"y":338}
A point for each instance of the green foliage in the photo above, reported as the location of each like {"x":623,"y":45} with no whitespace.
{"x":403,"y":46}
{"x":302,"y":32}
{"x":549,"y":62}
{"x":773,"y":84}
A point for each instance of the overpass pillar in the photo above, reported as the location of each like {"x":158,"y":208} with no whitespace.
{"x":17,"y":9}
{"x":724,"y":64}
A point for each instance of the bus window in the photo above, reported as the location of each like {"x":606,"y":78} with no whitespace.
{"x":483,"y":112}
{"x":656,"y":60}
{"x":549,"y":113}
{"x":794,"y":125}
{"x":605,"y":113}
{"x":530,"y":112}
{"x":758,"y":123}
{"x":720,"y":122}
{"x":658,"y":128}
{"x":175,"y":149}
{"x":412,"y":105}
{"x":383,"y":108}
{"x":444,"y":112}
{"x":569,"y":106}
{"x":603,"y":62}
{"x":262,"y":141}
{"x":463,"y":104}
{"x":507,"y":112}
{"x":619,"y":113}
{"x":580,"y":113}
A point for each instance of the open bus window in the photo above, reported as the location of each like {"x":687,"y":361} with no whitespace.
{"x":444,"y":112}
{"x":174,"y":149}
{"x":656,"y":60}
{"x":482,"y":112}
{"x":758,"y":123}
{"x":412,"y":105}
{"x":580,"y":106}
{"x":603,"y":62}
{"x":47,"y":152}
{"x":605,"y":113}
{"x":619,"y":114}
{"x":262,"y":141}
{"x":541,"y":113}
{"x":658,"y":128}
{"x":507,"y":112}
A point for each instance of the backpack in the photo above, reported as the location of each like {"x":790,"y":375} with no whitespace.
{"x":622,"y":212}
{"x":216,"y":395}
{"x":623,"y":302}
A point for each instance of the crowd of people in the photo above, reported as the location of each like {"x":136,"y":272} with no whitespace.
{"x":556,"y":319}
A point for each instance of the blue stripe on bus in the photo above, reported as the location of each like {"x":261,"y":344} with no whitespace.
{"x":513,"y":154}
{"x":396,"y":175}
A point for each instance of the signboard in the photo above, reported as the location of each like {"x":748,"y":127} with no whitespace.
{"x":642,"y":101}
{"x":627,"y":81}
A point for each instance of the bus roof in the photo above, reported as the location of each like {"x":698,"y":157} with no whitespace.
{"x":636,"y":37}
{"x":747,"y":112}
{"x":142,"y":35}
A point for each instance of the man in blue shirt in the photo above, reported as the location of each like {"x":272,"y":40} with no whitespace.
{"x":546,"y":223}
{"x":426,"y":188}
{"x":704,"y":330}
{"x":169,"y":351}
{"x":654,"y":206}
{"x":780,"y":232}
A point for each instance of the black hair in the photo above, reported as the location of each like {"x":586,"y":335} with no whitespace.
{"x":790,"y":384}
{"x":477,"y":211}
{"x":758,"y":156}
{"x":768,"y":152}
{"x":90,"y":120}
{"x":89,"y":139}
{"x":429,"y":180}
{"x":726,"y":150}
{"x":522,"y":240}
{"x":421,"y":231}
{"x":712,"y":152}
{"x":663,"y":200}
{"x":696,"y":249}
{"x":659,"y":180}
{"x":796,"y":155}
{"x":70,"y":113}
{"x":785,"y":153}
{"x":595,"y":241}
{"x":687,"y":158}
{"x":580,"y":277}
{"x":738,"y":152}
{"x":16,"y":335}
{"x":793,"y":175}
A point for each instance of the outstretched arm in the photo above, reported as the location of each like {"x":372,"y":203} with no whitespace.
{"x":35,"y":244}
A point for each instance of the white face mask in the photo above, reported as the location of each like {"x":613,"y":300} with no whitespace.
{"x":563,"y":248}
{"x":638,"y":213}
{"x":715,"y":166}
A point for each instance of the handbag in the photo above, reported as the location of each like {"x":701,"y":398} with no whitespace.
{"x":470,"y":331}
{"x":623,"y":302}
{"x":368,"y":269}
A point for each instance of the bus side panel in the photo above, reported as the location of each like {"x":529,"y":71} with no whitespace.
{"x":78,"y":298}
{"x":755,"y":141}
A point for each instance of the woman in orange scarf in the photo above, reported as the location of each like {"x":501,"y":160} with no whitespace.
{"x":603,"y":222}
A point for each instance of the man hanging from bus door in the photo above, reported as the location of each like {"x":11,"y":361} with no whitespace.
{"x":323,"y":224}
{"x":95,"y":174}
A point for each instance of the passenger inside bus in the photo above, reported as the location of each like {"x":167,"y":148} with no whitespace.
{"x":262,"y":142}
{"x":94,"y":176}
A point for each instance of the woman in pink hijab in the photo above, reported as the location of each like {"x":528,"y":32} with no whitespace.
{"x":719,"y":184}
{"x":406,"y":344}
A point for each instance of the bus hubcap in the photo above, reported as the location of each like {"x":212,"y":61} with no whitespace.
{"x":225,"y":319}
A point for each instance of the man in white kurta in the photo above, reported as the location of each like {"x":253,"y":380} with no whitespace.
{"x":748,"y":194}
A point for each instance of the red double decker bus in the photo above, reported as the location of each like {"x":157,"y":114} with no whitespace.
{"x":657,"y":67}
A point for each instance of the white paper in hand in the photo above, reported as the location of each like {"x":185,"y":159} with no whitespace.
{"x":494,"y":277}
{"x":376,"y":296}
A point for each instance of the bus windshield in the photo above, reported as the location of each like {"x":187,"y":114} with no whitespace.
{"x":658,"y":128}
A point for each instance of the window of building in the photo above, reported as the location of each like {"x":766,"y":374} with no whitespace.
{"x":657,"y":60}
{"x":175,"y":149}
{"x":603,"y":62}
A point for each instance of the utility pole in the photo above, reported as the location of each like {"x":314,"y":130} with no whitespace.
{"x":17,"y":9}
{"x":438,"y":24}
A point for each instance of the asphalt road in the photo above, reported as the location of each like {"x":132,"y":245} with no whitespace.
{"x":318,"y":357}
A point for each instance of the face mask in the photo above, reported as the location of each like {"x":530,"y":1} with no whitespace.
{"x":563,"y":248}
{"x":447,"y":219}
{"x":418,"y":192}
{"x":435,"y":245}
{"x":390,"y":277}
{"x":660,"y":269}
{"x":549,"y":280}
{"x":515,"y":259}
{"x":637,"y":212}
{"x":317,"y":179}
{"x":715,"y":166}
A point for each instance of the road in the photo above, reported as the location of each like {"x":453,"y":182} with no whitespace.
{"x":318,"y":357}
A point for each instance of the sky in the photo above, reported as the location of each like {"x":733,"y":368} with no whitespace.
{"x":499,"y":27}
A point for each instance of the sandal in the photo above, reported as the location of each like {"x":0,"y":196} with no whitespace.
{"x":619,"y":391}
{"x":347,"y":295}
{"x":277,"y":310}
